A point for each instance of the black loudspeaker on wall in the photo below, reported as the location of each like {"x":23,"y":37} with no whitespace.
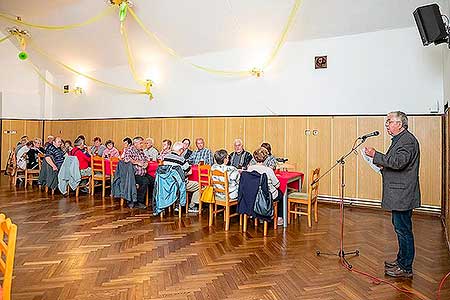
{"x":430,"y":24}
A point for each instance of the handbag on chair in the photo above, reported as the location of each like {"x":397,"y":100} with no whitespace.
{"x":263,"y":202}
{"x":208,"y":195}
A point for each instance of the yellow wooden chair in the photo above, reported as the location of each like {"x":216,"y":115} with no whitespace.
{"x":204,"y":180}
{"x":227,"y":203}
{"x":296,"y":199}
{"x":33,"y":174}
{"x":98,"y":174}
{"x":7,"y":249}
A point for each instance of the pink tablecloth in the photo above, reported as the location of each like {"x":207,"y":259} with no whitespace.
{"x":284,"y":178}
{"x":151,"y":168}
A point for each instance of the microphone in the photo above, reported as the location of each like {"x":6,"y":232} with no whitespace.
{"x":375,"y":133}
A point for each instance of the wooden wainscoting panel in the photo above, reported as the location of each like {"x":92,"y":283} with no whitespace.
{"x":155,"y":132}
{"x":144,"y":128}
{"x":33,"y":129}
{"x":18,"y":130}
{"x":319,"y":152}
{"x":275,"y":135}
{"x":6,"y":142}
{"x":344,"y":135}
{"x":296,"y":146}
{"x":200,"y":130}
{"x":169,"y":129}
{"x":254,"y":133}
{"x":369,"y":182}
{"x":216,"y":139}
{"x":234,"y":129}
{"x":185,"y":126}
{"x":428,"y":131}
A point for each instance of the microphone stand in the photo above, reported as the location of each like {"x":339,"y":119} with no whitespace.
{"x":341,"y":161}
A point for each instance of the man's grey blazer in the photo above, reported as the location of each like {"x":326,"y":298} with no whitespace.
{"x":401,"y":190}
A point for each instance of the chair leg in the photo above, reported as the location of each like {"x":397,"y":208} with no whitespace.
{"x":316,"y":213}
{"x":103,"y":187}
{"x":309,"y":215}
{"x":187,"y":203}
{"x":227,"y":218}
{"x":240,"y":220}
{"x":179,"y":211}
{"x":46,"y":189}
{"x":211,"y":214}
{"x":146,"y":199}
{"x":256,"y":223}
{"x":244,"y":229}
{"x":265,"y":228}
{"x":289,"y":212}
{"x":92,"y":184}
{"x":121,"y":202}
{"x":26,"y":180}
{"x":275,"y":216}
{"x":200,"y":207}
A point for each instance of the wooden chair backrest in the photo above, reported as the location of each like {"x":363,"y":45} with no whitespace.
{"x":204,"y":176}
{"x":313,"y":190}
{"x":114,"y":161}
{"x":40,"y":158}
{"x":8,"y":235}
{"x":98,"y":164}
{"x":219,"y":186}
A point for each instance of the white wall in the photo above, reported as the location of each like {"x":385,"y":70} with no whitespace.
{"x":20,"y":87}
{"x":369,"y":73}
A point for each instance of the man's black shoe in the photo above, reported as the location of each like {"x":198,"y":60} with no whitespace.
{"x":130,"y":204}
{"x":390,"y":264}
{"x":398,"y":273}
{"x":140,"y":206}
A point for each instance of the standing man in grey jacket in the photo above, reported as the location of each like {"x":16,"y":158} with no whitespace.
{"x":401,"y":191}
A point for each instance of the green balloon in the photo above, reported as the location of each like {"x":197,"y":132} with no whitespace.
{"x":23,"y":55}
{"x":123,"y":11}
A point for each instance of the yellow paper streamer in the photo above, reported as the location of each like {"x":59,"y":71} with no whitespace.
{"x":95,"y":18}
{"x":5,"y":38}
{"x":101,"y":82}
{"x":52,"y":85}
{"x":175,"y":54}
{"x":284,"y":33}
{"x":253,"y":71}
{"x":130,"y":57}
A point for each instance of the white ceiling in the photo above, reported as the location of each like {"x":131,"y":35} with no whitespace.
{"x":192,"y":27}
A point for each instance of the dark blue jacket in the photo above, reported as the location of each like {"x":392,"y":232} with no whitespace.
{"x":248,"y":188}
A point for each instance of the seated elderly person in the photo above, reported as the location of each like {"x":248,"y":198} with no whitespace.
{"x":239,"y":158}
{"x":84,"y":159}
{"x":23,"y":141}
{"x":221,"y":158}
{"x":126,"y":143}
{"x":174,"y":158}
{"x":83,"y":155}
{"x":150,"y":151}
{"x":186,"y":151}
{"x":49,"y":141}
{"x":136,"y":156}
{"x":110,"y":150}
{"x":98,"y":148}
{"x":22,"y":155}
{"x":166,"y":149}
{"x":201,"y":154}
{"x":270,"y":161}
{"x":54,"y":156}
{"x":260,"y":155}
{"x":33,"y":154}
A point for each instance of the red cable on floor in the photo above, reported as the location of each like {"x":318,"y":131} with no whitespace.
{"x":441,"y":285}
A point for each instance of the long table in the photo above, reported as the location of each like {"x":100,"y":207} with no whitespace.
{"x":292,"y":180}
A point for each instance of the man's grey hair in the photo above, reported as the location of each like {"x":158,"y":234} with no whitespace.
{"x":137,"y":139}
{"x":177,"y":146}
{"x":238,"y":141}
{"x":402,"y":117}
{"x":150,"y":140}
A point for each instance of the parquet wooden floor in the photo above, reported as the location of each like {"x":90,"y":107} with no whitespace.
{"x":93,"y":249}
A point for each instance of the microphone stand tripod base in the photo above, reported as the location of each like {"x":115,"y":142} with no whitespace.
{"x":341,"y":255}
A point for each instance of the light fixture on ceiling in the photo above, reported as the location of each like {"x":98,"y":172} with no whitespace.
{"x":118,"y":2}
{"x":18,"y":32}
